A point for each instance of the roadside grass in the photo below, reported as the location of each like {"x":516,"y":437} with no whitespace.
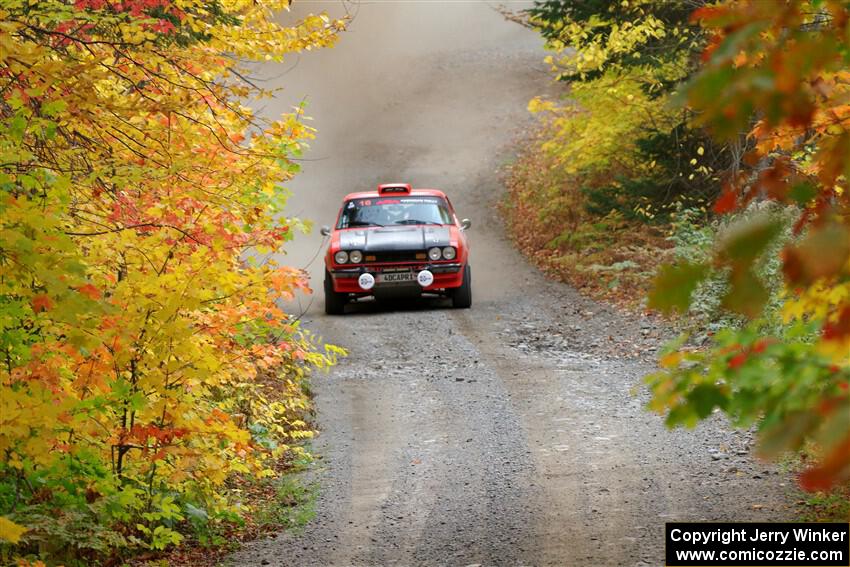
{"x":294,"y":505}
{"x":280,"y":503}
{"x":826,"y":507}
{"x":832,"y":506}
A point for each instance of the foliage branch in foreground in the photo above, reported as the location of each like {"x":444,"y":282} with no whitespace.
{"x":780,"y":71}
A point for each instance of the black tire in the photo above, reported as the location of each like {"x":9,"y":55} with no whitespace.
{"x":462,"y":296}
{"x":334,"y":302}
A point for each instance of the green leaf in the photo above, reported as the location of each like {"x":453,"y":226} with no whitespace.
{"x":54,"y":108}
{"x":199,"y":515}
{"x":787,"y":434}
{"x":744,"y":243}
{"x":704,"y":398}
{"x":17,"y":127}
{"x":747,"y":294}
{"x":802,"y":193}
{"x":673,"y":286}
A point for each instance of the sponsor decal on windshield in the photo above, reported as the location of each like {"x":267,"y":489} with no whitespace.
{"x":357,"y":203}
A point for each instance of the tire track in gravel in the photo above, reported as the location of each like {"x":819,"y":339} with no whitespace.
{"x":610,"y":473}
{"x":589,"y":489}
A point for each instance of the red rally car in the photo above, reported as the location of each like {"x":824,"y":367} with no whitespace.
{"x":396,"y":242}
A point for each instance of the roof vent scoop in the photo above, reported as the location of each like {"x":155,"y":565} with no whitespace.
{"x":394,"y":189}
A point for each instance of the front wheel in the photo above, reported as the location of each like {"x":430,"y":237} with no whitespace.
{"x":334,"y":302}
{"x":462,"y":296}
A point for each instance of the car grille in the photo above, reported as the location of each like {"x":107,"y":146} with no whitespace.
{"x":395,"y":256}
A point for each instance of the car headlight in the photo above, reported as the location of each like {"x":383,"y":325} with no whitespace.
{"x":355,"y":256}
{"x":435,"y":253}
{"x":449,"y":253}
{"x":341,"y":257}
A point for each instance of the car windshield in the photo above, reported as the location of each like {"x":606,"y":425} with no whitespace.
{"x":390,"y":211}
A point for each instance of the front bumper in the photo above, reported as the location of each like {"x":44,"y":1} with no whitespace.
{"x":446,"y":276}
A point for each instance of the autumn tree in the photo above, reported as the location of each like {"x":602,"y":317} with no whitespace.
{"x":616,"y":133}
{"x":133,"y":331}
{"x":613,"y":159}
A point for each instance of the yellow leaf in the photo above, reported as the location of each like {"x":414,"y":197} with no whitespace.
{"x":537,"y":104}
{"x":10,"y":531}
{"x":671,"y":360}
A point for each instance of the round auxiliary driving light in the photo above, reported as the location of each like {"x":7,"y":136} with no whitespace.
{"x":366,"y":281}
{"x":355,"y":256}
{"x":341,"y":257}
{"x":435,"y":254}
{"x":449,"y":253}
{"x":425,"y":278}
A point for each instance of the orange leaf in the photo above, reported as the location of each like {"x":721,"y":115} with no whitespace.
{"x":41,"y":303}
{"x":833,"y":469}
{"x":89,"y":291}
{"x":707,"y":13}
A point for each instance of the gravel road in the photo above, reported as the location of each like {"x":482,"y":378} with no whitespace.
{"x":510,"y":433}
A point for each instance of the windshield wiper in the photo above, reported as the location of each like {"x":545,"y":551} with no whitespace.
{"x":363,"y":223}
{"x":416,"y":221}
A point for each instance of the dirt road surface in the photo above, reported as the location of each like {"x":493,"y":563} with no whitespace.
{"x":507,"y":434}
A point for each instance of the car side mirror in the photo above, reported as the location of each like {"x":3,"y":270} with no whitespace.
{"x":465,"y":224}
{"x":325,"y":230}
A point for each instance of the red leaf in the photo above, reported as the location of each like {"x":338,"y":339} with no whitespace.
{"x":726,"y":203}
{"x":738,"y":360}
{"x":761,"y":345}
{"x":839,"y":329}
{"x":163,"y":26}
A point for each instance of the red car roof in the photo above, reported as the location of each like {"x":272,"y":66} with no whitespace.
{"x":374,"y":194}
